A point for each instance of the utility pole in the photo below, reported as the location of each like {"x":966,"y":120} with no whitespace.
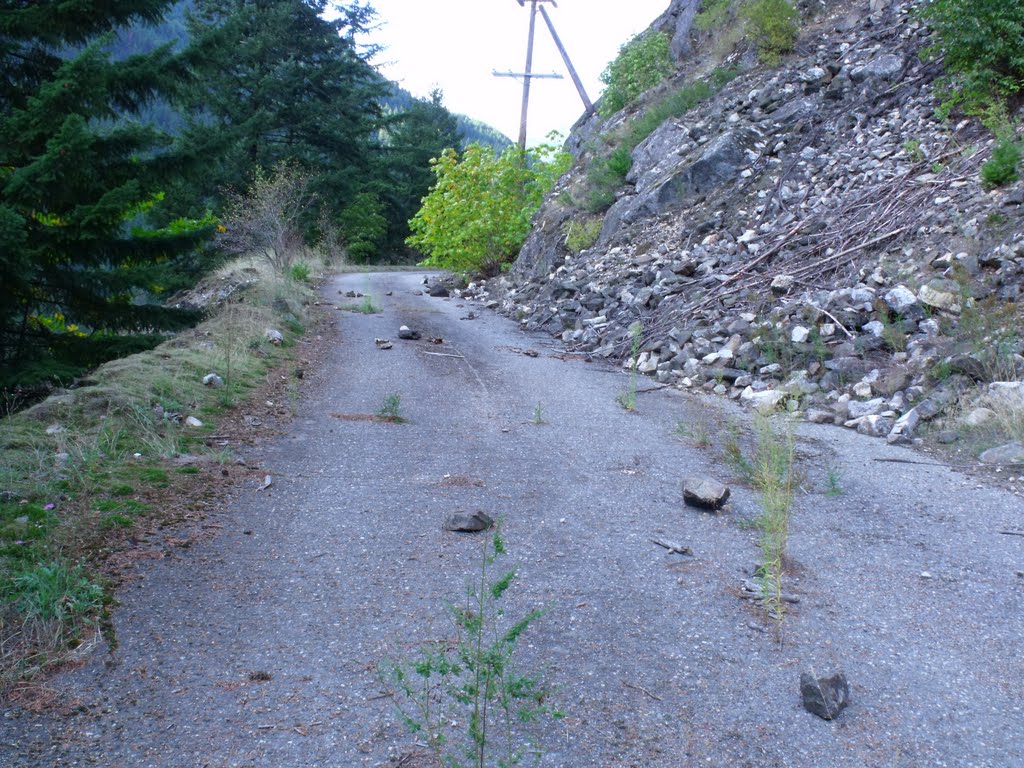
{"x":528,"y":75}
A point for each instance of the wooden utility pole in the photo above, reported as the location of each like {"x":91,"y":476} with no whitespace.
{"x":568,"y":63}
{"x":529,"y":75}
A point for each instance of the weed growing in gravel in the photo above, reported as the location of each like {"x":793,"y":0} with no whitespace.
{"x":56,"y":603}
{"x":774,"y":478}
{"x":833,"y":482}
{"x":538,"y":414}
{"x":732,"y":452}
{"x":627,"y":399}
{"x":470,"y":682}
{"x":696,"y":432}
{"x":390,"y":409}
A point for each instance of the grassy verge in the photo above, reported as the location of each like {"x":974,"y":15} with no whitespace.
{"x":81,"y":470}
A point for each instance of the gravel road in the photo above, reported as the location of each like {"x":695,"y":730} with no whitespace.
{"x":904,"y":580}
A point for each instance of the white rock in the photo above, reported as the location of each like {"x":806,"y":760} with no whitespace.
{"x":762,"y":402}
{"x":900,"y":299}
{"x":859,"y":409}
{"x":862,"y":389}
{"x":192,"y":421}
{"x":799,"y":334}
{"x":979,"y":416}
{"x":875,"y":328}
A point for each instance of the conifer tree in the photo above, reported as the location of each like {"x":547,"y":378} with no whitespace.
{"x":277,"y":82}
{"x":419,"y":135}
{"x":79,"y":268}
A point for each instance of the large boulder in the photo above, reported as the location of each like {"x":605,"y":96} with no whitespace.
{"x":720,"y":162}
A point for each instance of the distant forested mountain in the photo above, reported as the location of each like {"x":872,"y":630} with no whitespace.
{"x":473,"y":131}
{"x":143,"y":38}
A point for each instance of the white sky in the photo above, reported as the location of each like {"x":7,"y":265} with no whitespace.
{"x":456,"y":44}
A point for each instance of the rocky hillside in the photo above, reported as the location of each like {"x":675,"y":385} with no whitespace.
{"x":810,"y":237}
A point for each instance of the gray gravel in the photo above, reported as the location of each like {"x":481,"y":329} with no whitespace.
{"x":904,"y":581}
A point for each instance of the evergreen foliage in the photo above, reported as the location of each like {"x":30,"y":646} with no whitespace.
{"x":276,"y":82}
{"x":479,"y":211}
{"x":417,"y":136}
{"x":472,"y":131}
{"x":81,"y":265}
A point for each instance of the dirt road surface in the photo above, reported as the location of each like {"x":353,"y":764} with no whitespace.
{"x":904,"y":579}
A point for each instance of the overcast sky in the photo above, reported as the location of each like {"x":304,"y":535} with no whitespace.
{"x":456,"y":44}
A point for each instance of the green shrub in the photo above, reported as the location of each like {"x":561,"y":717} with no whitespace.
{"x":642,"y":63}
{"x":774,"y":25}
{"x":581,"y":234}
{"x":712,"y":14}
{"x":478,"y":213}
{"x":1001,"y":168}
{"x":363,"y":227}
{"x":982,"y":46}
{"x":675,"y":104}
{"x":299,"y":272}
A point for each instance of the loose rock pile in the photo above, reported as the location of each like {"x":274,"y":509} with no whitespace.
{"x":812,"y":239}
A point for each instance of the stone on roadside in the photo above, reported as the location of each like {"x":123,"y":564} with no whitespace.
{"x":439,"y":291}
{"x":979,"y":416}
{"x":407,"y":333}
{"x":192,"y":421}
{"x":467,"y":522}
{"x":763,"y":402}
{"x":859,"y":409}
{"x":819,"y":416}
{"x":904,"y":427}
{"x":213,"y":380}
{"x":274,"y":336}
{"x":875,"y":425}
{"x":383,"y":343}
{"x":1011,"y":453}
{"x":704,"y":492}
{"x":825,"y":697}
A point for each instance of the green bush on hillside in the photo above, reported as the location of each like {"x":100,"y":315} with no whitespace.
{"x":642,"y":63}
{"x":774,"y":26}
{"x":712,"y":14}
{"x":1001,"y":168}
{"x":982,"y":47}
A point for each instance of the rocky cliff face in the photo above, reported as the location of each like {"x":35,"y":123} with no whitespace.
{"x":811,"y":237}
